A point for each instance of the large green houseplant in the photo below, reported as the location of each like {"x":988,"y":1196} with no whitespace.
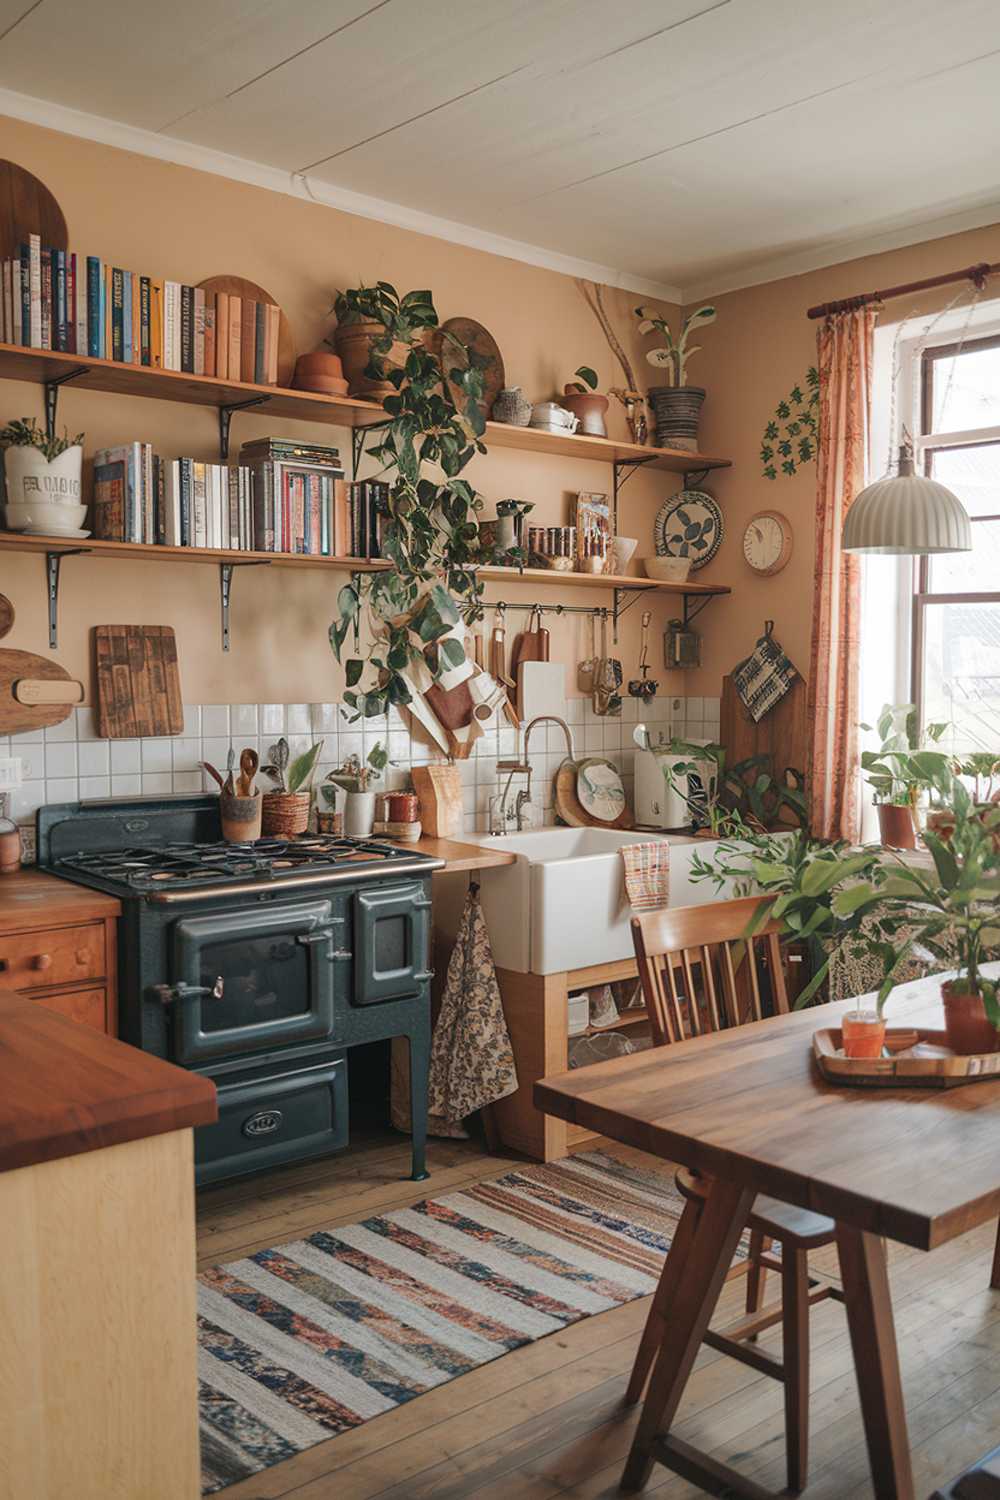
{"x":408,"y":614}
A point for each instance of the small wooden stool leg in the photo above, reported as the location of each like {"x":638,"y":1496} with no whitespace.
{"x":673,"y":1267}
{"x":722,"y":1220}
{"x":995,"y":1274}
{"x":795,"y":1358}
{"x":756,"y":1275}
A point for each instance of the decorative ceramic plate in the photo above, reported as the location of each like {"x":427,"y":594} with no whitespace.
{"x":599,"y":788}
{"x":485,"y":352}
{"x":689,"y":524}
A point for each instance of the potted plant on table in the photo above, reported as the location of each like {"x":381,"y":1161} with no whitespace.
{"x":285,"y":811}
{"x":900,"y":772}
{"x":42,"y":478}
{"x":676,"y":405}
{"x":355,"y":780}
{"x":582,"y":398}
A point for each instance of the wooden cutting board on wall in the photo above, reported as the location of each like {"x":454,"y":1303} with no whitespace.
{"x":138,"y":681}
{"x":783,"y":733}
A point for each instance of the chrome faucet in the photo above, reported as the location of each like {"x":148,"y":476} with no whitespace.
{"x":522,"y":767}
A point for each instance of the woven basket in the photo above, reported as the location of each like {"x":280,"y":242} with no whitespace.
{"x":285,"y":813}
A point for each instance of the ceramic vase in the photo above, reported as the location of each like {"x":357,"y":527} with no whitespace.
{"x":359,"y":814}
{"x":676,"y":412}
{"x":590,"y":410}
{"x":31,"y":477}
{"x":512,"y":407}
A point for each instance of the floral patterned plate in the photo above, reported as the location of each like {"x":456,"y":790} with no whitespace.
{"x":689,"y":524}
{"x":599,"y":788}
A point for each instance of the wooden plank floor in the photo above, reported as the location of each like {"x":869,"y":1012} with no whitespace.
{"x":547,"y":1420}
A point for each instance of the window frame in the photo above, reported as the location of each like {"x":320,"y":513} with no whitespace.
{"x":929,"y":443}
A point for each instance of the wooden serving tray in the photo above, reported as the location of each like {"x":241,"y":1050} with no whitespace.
{"x":917,"y":1059}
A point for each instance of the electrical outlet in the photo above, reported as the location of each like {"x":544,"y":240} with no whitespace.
{"x":11,"y":772}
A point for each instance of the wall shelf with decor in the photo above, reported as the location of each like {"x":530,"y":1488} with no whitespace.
{"x":53,"y":370}
{"x":56,"y":548}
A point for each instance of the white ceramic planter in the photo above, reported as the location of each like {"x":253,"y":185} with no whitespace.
{"x":359,"y":813}
{"x":31,"y":477}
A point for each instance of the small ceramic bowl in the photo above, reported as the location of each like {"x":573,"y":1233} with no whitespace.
{"x":622,"y":551}
{"x":667,"y":569}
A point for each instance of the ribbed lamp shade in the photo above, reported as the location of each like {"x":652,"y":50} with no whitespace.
{"x":908,"y":514}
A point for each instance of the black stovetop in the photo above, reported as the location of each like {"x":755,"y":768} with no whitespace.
{"x":147,"y":847}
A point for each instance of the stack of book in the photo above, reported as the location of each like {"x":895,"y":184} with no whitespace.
{"x":299,"y":502}
{"x":56,"y":299}
{"x":141,"y":497}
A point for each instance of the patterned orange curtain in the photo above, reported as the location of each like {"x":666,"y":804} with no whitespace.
{"x":845,"y":355}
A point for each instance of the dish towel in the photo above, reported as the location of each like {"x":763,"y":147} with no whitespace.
{"x":763,"y":679}
{"x":647,"y":874}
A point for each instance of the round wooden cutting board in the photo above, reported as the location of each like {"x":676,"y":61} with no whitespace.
{"x":238,"y":286}
{"x":482,"y":343}
{"x":27,"y":207}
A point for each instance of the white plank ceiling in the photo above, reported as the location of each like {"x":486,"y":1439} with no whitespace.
{"x":696,"y":143}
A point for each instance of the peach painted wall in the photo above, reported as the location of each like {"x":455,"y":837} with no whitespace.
{"x":761,"y":345}
{"x":175,"y":222}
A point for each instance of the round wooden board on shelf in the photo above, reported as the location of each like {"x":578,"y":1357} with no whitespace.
{"x":6,"y":615}
{"x":239,"y":286}
{"x":482,"y":343}
{"x":26,"y":208}
{"x":569,"y":807}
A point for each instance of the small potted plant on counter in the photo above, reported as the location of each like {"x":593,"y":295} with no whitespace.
{"x":355,"y":779}
{"x":899,"y":772}
{"x":42,"y":479}
{"x":676,"y":405}
{"x":582,"y":398}
{"x":285,"y":811}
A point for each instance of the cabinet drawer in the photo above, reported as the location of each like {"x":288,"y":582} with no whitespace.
{"x":60,"y":955}
{"x":88,"y":1007}
{"x":264,"y":1122}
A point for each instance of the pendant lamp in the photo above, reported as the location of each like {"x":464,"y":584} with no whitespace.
{"x":907,"y":514}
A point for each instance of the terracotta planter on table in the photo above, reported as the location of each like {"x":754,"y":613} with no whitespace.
{"x":896,"y":828}
{"x":967,"y":1026}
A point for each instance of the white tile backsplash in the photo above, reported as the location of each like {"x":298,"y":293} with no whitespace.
{"x":71,"y":761}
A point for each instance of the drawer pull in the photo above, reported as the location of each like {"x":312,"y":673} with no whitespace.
{"x":82,"y":955}
{"x":42,"y":961}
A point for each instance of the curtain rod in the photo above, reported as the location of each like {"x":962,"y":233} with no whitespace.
{"x":976,"y":274}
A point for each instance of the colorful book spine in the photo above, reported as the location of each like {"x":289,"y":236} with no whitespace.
{"x":136,"y":327}
{"x":222,"y":335}
{"x":95,"y":302}
{"x":209,"y":333}
{"x":260,"y":333}
{"x":198,"y":331}
{"x":117,"y":314}
{"x":171,"y":325}
{"x":126,"y":353}
{"x":145,"y":327}
{"x":46,"y":299}
{"x":247,"y":334}
{"x":34,"y":339}
{"x":60,"y":318}
{"x":156,"y":333}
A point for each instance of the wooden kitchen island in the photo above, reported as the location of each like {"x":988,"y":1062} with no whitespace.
{"x":98,"y":1389}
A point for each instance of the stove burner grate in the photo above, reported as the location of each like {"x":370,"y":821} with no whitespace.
{"x":155,"y":867}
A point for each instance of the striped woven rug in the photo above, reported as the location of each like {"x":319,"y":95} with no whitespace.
{"x":305,"y":1341}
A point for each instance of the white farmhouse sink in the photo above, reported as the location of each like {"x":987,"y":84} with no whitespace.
{"x":562,"y":905}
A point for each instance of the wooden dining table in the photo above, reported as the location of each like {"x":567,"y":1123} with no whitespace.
{"x":748,"y":1108}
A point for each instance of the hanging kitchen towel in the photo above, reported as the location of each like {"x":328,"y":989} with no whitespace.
{"x":647,"y":874}
{"x":472,"y":1061}
{"x":763,"y":679}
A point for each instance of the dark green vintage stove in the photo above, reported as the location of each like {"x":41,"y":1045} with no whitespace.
{"x":259,"y":965}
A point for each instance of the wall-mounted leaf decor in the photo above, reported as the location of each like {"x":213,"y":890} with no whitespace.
{"x":791,"y":436}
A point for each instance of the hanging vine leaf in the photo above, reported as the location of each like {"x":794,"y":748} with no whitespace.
{"x":792,"y":433}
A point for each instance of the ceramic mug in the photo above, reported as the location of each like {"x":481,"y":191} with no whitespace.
{"x":551,"y":414}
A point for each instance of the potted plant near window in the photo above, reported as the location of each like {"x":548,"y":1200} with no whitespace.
{"x":582,"y":398}
{"x":285,"y":811}
{"x":42,"y":475}
{"x":676,"y":405}
{"x":899,"y":772}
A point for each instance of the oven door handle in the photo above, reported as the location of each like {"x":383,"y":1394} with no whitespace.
{"x":324,"y":935}
{"x":168,"y":993}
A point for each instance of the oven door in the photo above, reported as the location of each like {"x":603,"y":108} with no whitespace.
{"x":247,"y":980}
{"x":391,"y":943}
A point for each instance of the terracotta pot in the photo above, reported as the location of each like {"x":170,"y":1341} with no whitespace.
{"x":320,"y":371}
{"x":862,"y":1035}
{"x":896,"y":826}
{"x":590,"y":408}
{"x":676,"y":411}
{"x":353,"y":342}
{"x":967,"y":1026}
{"x":285,"y":814}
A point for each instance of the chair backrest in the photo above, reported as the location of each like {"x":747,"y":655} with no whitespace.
{"x":700,"y":972}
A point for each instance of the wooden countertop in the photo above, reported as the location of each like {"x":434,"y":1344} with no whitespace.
{"x":66,"y":1088}
{"x":32,"y":898}
{"x":459,"y":856}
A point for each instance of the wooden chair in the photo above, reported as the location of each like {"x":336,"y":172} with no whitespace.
{"x":699,"y":973}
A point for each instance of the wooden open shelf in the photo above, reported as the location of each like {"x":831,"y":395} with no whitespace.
{"x":48,"y":367}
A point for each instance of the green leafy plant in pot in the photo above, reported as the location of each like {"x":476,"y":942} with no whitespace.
{"x":355,"y":780}
{"x":676,"y":405}
{"x":900,"y":772}
{"x":408,"y":613}
{"x":363,"y":315}
{"x":581,"y":396}
{"x":42,"y":477}
{"x":285,"y":811}
{"x":723,"y":799}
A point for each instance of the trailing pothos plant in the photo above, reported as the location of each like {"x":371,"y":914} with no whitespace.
{"x":432,"y":428}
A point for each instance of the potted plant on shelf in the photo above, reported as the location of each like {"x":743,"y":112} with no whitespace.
{"x":407,"y":613}
{"x":581,"y":397}
{"x":676,"y":405}
{"x":363,"y":314}
{"x":899,"y":772}
{"x":355,"y":780}
{"x":285,"y":811}
{"x":42,"y":478}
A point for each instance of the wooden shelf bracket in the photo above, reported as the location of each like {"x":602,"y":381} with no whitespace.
{"x":226,"y":590}
{"x":226,"y":416}
{"x":52,"y":561}
{"x":52,"y":397}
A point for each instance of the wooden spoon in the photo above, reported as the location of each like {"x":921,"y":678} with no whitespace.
{"x":249,"y":761}
{"x":215,"y":775}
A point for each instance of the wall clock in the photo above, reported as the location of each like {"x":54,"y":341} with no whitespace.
{"x":767,"y":542}
{"x":689,"y":524}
